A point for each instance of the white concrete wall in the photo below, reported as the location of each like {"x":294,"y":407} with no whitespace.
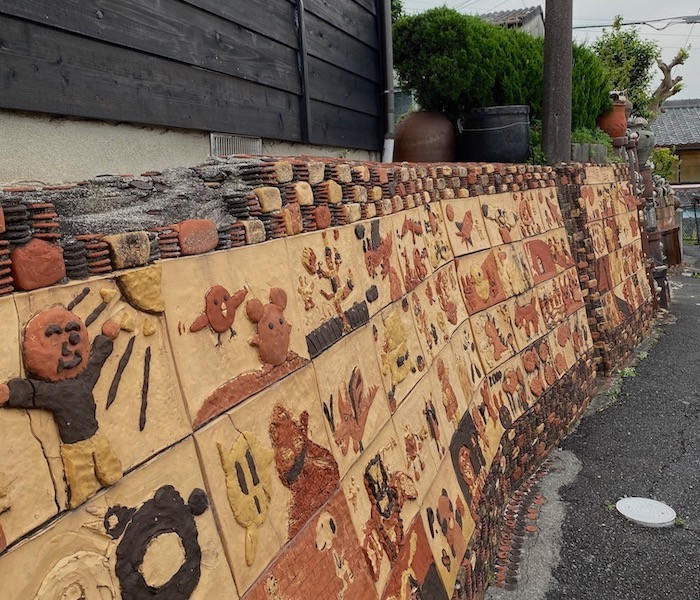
{"x":39,"y":149}
{"x":43,"y":149}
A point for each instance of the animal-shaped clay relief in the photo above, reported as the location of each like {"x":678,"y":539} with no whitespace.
{"x":247,"y":466}
{"x":326,"y":541}
{"x":273,"y":330}
{"x":353,"y":409}
{"x":219,"y":311}
{"x":396,"y":360}
{"x":464,"y":229}
{"x":505,"y":221}
{"x":384,"y":530}
{"x":414,"y":254}
{"x":378,"y":251}
{"x":307,"y":469}
{"x":63,"y":370}
{"x":448,"y":516}
{"x":445,"y":286}
{"x":527,"y":317}
{"x":481,"y":283}
{"x":449,"y":398}
{"x":165,"y":513}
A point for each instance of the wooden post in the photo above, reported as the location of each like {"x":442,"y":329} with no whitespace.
{"x":558,"y":68}
{"x":305,"y":106}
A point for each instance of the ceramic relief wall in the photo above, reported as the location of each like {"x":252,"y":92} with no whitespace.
{"x":614,"y":272}
{"x":334,"y":404}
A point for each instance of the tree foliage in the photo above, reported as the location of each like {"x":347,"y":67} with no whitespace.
{"x":455,"y":62}
{"x":629,"y":62}
{"x":396,"y":10}
{"x":665,"y":163}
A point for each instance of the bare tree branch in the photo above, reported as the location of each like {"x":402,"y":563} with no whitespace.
{"x":669,"y":86}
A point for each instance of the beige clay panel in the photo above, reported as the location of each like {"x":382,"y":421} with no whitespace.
{"x":494,"y":336}
{"x":249,"y":536}
{"x":374,"y":241}
{"x":526,"y":318}
{"x":509,"y":389}
{"x":438,"y":308}
{"x":352,"y":396}
{"x":548,"y":203}
{"x":480,"y":281}
{"x":224,"y":356}
{"x":381,"y":496}
{"x":548,"y":254}
{"x":324,"y":561}
{"x":596,"y":231}
{"x":27,"y":494}
{"x":137,"y":380}
{"x":513,"y":268}
{"x":76,"y":552}
{"x":422,"y":435}
{"x":446,"y":505}
{"x":328,"y":274}
{"x":437,"y":240}
{"x":530,"y":218}
{"x":559,"y":297}
{"x":465,"y":225}
{"x":466,"y":354}
{"x":474,"y":446}
{"x":396,"y":345}
{"x":563,"y":347}
{"x":414,"y":257}
{"x":591,"y":202}
{"x":453,"y":384}
{"x":501,"y":218}
{"x":580,"y":332}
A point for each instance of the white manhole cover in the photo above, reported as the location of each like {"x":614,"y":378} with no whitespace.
{"x":647,"y":512}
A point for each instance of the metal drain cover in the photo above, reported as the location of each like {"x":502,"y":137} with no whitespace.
{"x":647,"y":512}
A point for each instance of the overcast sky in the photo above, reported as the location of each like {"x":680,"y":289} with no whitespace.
{"x":596,"y":12}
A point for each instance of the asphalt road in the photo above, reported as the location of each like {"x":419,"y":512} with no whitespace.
{"x":645,"y":443}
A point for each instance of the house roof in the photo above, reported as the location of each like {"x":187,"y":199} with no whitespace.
{"x":512,"y":18}
{"x":679,"y":124}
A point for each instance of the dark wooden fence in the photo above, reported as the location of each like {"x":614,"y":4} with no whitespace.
{"x":299,"y":70}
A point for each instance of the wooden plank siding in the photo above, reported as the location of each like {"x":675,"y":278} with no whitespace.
{"x":232,"y":66}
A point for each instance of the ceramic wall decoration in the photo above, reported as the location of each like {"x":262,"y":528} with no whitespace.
{"x":382,"y":498}
{"x":465,"y":225}
{"x":480,"y":281}
{"x":501,"y":219}
{"x":412,"y":244}
{"x":332,"y":284}
{"x":324,"y":561}
{"x":331,"y":390}
{"x":353,"y":400}
{"x":234,"y":325}
{"x":400,"y":356}
{"x":153,"y":534}
{"x":99,"y":369}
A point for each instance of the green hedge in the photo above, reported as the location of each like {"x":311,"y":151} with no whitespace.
{"x":454,"y":62}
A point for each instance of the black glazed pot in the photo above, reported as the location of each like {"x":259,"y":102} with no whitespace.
{"x":495,"y":134}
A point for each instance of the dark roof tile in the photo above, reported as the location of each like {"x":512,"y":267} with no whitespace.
{"x":679,"y":123}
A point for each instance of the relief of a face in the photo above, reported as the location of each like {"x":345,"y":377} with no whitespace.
{"x":56,"y":345}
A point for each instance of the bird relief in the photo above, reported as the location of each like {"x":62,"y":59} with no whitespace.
{"x":219,"y":311}
{"x":465,"y":228}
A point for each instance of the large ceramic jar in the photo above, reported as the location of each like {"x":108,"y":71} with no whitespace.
{"x":425,"y":137}
{"x":614,"y":122}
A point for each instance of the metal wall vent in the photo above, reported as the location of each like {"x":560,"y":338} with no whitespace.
{"x":224,"y":144}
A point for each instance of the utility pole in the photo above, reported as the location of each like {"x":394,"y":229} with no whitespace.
{"x":558,"y":68}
